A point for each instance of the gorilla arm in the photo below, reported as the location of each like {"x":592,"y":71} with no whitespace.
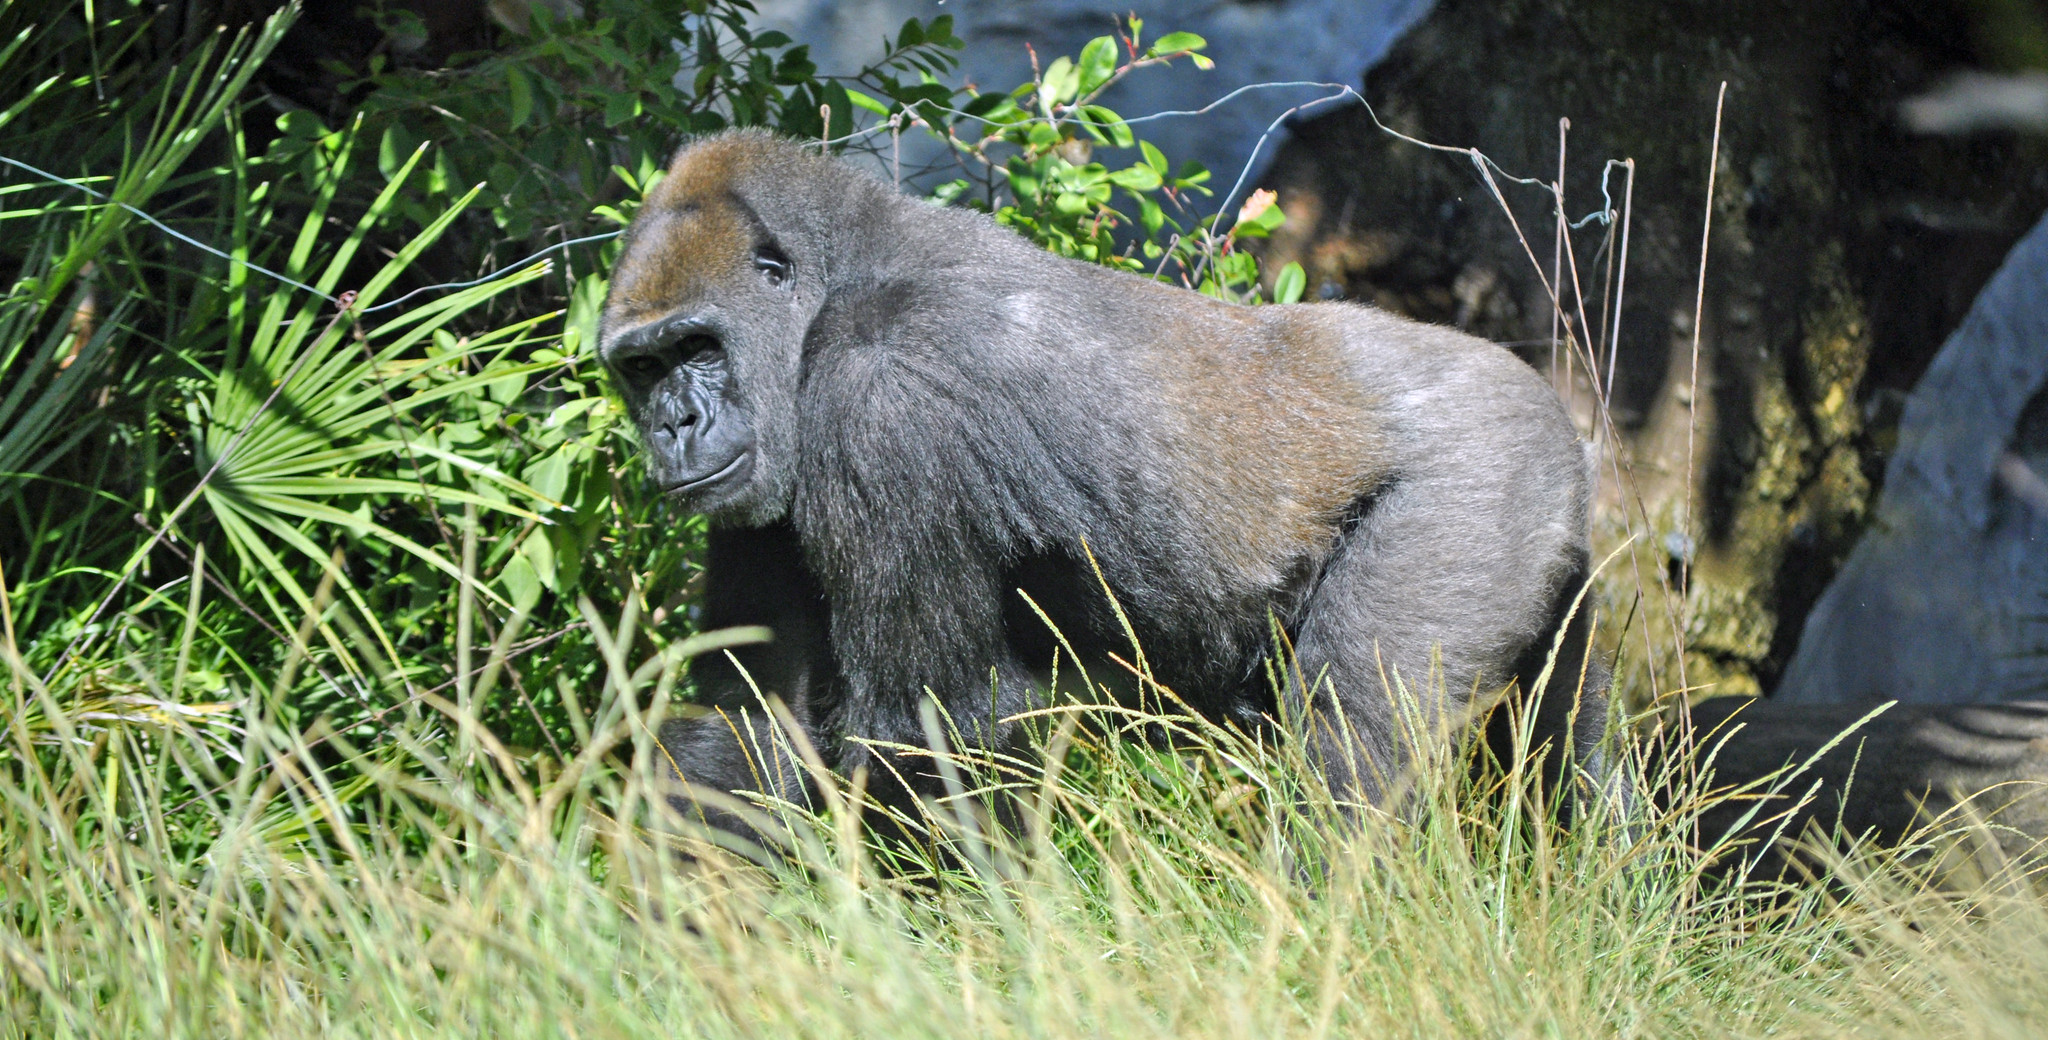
{"x":756,"y":578}
{"x":912,"y":492}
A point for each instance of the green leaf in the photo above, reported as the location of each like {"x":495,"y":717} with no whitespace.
{"x":550,"y":475}
{"x":1107,"y":125}
{"x":394,"y":149}
{"x":796,"y":67}
{"x":1153,"y":157}
{"x":1060,"y":82}
{"x":866,"y":102}
{"x":1288,"y":287}
{"x":521,"y":94}
{"x":520,"y":579}
{"x":1261,"y":225}
{"x":1137,"y":178}
{"x":1152,"y":217}
{"x":301,"y":125}
{"x":1098,"y":64}
{"x":983,"y":104}
{"x":619,"y":108}
{"x":1175,"y":43}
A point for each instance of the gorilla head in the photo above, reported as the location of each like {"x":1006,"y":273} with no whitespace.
{"x":722,"y":274}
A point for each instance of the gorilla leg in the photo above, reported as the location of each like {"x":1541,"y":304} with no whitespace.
{"x":1566,"y":712}
{"x":1434,"y":593}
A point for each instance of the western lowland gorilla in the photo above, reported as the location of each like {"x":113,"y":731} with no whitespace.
{"x":901,"y":420}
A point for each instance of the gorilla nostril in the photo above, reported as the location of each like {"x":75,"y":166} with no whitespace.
{"x":676,"y":428}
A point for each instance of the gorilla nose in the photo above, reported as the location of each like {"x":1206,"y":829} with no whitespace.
{"x":679,"y":427}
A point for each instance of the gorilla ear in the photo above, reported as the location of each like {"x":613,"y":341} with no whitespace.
{"x":773,"y":264}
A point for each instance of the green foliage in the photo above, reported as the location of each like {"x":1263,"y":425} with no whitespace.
{"x":1039,"y":144}
{"x":571,"y":116}
{"x":84,"y":284}
{"x":52,"y":362}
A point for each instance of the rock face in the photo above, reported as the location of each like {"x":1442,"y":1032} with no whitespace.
{"x":1945,"y":598}
{"x":1252,"y":41}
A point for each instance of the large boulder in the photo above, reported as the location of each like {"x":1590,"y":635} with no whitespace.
{"x":1945,"y":597}
{"x":1908,"y":767}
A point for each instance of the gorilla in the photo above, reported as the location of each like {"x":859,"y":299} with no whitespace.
{"x":911,"y":431}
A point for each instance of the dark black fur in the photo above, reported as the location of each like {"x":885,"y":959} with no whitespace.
{"x":898,"y":416}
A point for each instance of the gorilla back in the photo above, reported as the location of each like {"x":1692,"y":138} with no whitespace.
{"x":901,"y":420}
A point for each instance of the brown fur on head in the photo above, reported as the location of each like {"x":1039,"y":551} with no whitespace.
{"x":722,"y":193}
{"x":694,"y":232}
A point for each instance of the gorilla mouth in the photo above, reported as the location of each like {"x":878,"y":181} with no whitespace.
{"x":724,"y":472}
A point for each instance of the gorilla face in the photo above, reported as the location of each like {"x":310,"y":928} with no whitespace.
{"x":703,"y":335}
{"x":678,"y":378}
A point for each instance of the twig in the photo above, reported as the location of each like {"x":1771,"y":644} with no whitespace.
{"x":1692,"y":404}
{"x":1628,"y":201}
{"x":1564,"y":125}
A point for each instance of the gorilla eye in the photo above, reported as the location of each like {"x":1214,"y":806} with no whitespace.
{"x":643,"y":370}
{"x":773,"y":265}
{"x":699,"y":349}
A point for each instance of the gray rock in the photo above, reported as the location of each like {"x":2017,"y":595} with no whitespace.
{"x":1945,"y":599}
{"x":1252,"y":41}
{"x":1898,"y":772}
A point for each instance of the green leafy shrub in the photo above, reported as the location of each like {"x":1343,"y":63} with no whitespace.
{"x":1038,"y":142}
